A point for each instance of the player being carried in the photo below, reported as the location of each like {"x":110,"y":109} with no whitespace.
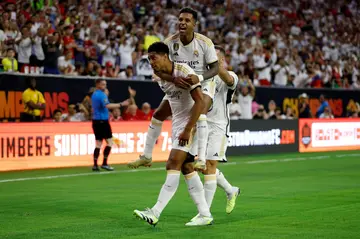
{"x":199,"y":53}
{"x":186,"y":106}
{"x":219,"y":125}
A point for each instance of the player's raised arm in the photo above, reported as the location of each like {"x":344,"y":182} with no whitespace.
{"x":230,"y":80}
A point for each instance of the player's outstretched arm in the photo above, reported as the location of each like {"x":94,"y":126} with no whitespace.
{"x":178,"y":81}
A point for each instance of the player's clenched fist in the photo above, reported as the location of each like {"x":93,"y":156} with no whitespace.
{"x":184,"y":137}
{"x":192,"y":79}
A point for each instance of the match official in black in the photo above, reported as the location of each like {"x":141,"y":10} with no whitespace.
{"x":100,"y":123}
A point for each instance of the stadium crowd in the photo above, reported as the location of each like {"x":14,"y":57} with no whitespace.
{"x":298,"y":43}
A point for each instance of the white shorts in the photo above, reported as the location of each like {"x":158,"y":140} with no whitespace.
{"x":176,"y":131}
{"x":208,"y":87}
{"x":217,"y":144}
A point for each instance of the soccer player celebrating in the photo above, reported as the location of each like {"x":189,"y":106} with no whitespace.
{"x":186,"y":106}
{"x":100,"y":122}
{"x":219,"y":125}
{"x":199,"y":53}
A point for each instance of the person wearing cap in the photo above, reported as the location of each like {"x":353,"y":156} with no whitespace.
{"x":304,"y":108}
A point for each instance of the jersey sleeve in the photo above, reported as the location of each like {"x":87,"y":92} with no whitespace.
{"x":210,"y":53}
{"x":236,"y":80}
{"x":104,"y":100}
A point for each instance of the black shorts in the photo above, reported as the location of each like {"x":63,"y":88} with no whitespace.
{"x":102,"y":129}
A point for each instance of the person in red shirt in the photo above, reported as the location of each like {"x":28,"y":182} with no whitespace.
{"x":69,"y":42}
{"x":115,"y":115}
{"x":146,"y":112}
{"x":132,"y":113}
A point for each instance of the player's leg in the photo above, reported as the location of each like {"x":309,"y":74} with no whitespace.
{"x":109,"y":142}
{"x":231,"y":192}
{"x":154,"y":130}
{"x":196,"y":191}
{"x":98,"y":137}
{"x":173,"y":167}
{"x":208,"y":89}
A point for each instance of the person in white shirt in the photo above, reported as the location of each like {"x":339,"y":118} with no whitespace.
{"x":65,"y":64}
{"x":126,"y":48}
{"x":37,"y":46}
{"x":24,"y":44}
{"x":263,"y":68}
{"x":327,"y":114}
{"x":74,"y":116}
{"x":245,"y":98}
{"x":281,"y":73}
{"x":235,"y":109}
{"x":109,"y":52}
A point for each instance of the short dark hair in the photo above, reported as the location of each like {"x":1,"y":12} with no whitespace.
{"x":159,"y":48}
{"x":10,"y":49}
{"x":97,"y":81}
{"x":56,"y":111}
{"x":191,"y":11}
{"x":221,"y":49}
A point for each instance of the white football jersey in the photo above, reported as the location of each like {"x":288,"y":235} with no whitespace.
{"x":180,"y":100}
{"x":199,"y":53}
{"x":219,"y":113}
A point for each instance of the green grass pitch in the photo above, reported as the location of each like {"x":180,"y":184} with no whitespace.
{"x":283,"y":196}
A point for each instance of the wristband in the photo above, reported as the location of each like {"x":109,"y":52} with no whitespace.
{"x":201,"y":78}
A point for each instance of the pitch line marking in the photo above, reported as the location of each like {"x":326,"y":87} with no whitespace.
{"x":158,"y":169}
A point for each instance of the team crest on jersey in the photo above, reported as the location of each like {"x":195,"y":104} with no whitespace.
{"x":176,"y":46}
{"x":196,"y":53}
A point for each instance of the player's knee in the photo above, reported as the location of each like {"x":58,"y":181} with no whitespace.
{"x":163,"y":112}
{"x":109,"y":142}
{"x":187,"y":168}
{"x":98,"y":143}
{"x":211,"y":166}
{"x":172,"y":165}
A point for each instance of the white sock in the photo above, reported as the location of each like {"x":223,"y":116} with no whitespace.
{"x":152,"y":135}
{"x":196,"y":190}
{"x":223,"y":183}
{"x":202,"y":131}
{"x":167,"y":191}
{"x":210,"y":188}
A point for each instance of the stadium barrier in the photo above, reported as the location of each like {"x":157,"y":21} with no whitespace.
{"x":262,"y":136}
{"x":59,"y":91}
{"x":329,"y":135}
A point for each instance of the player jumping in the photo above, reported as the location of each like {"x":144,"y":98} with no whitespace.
{"x":199,"y":53}
{"x":219,"y":125}
{"x":186,"y":106}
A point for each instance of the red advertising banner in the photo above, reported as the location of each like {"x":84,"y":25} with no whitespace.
{"x":329,"y":135}
{"x":50,"y":145}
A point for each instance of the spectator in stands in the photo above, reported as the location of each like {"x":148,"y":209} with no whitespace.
{"x":38,"y":50}
{"x":57,"y":116}
{"x":52,"y":53}
{"x":115,"y":115}
{"x":326,"y":114}
{"x":261,"y":113}
{"x":65,"y":64}
{"x":9,"y":63}
{"x":79,"y":48}
{"x":272,"y":108}
{"x":281,"y":71}
{"x":324,"y":103}
{"x":146,"y":111}
{"x":126,"y":48}
{"x":74,"y":116}
{"x":288,"y":114}
{"x":235,"y":109}
{"x":132,"y":113}
{"x":127,"y":74}
{"x":33,"y":101}
{"x":24,"y":44}
{"x":109,"y":51}
{"x":245,"y":98}
{"x":304,"y":108}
